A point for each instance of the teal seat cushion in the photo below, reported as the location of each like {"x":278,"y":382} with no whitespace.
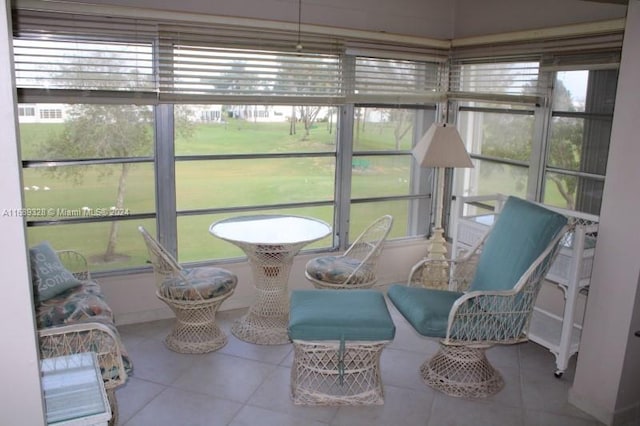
{"x":427,"y":310}
{"x":521,"y":233}
{"x":49,"y":277}
{"x":337,"y":269}
{"x":203,"y":283}
{"x":339,"y":315}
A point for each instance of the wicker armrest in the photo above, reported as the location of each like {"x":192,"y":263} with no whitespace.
{"x":488,"y":317}
{"x":87,"y":337}
{"x":460,"y":275}
{"x":76,"y":263}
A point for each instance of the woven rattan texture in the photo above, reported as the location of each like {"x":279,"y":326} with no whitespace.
{"x":321,"y":376}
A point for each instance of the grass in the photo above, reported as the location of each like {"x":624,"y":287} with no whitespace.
{"x":221,"y":184}
{"x":208,"y":184}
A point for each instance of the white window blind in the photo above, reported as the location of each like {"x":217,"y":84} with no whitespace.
{"x":194,"y":73}
{"x":398,"y":80}
{"x":513,"y":81}
{"x":75,"y":52}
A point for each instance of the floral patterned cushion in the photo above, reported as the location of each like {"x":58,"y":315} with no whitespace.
{"x":201,"y":283}
{"x":83,"y":303}
{"x":337,"y":269}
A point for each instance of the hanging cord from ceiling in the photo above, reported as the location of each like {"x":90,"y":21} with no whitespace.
{"x":299,"y":45}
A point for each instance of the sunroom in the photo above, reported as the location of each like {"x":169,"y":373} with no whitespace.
{"x":174,"y":120}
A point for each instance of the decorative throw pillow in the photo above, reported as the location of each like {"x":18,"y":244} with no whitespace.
{"x":49,"y":276}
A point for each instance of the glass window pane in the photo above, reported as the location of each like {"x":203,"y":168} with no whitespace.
{"x":379,"y":176}
{"x":363,"y":214}
{"x":234,"y":183}
{"x":580,"y":144}
{"x":92,"y":240}
{"x":384,"y":129}
{"x":254,"y":129}
{"x":490,"y":177}
{"x":195,"y":243}
{"x":497,"y":135}
{"x":570,"y":90}
{"x":90,"y":191}
{"x":68,"y":132}
{"x":573,"y":192}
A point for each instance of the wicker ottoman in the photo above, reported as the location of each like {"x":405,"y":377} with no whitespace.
{"x":338,"y":337}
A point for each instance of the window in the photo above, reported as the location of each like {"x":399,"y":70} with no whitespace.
{"x":176,"y":125}
{"x":222,"y":121}
{"x":26,"y":111}
{"x":499,"y":141}
{"x":385,"y":178}
{"x":560,"y":161}
{"x":284,"y":163}
{"x":86,"y":179}
{"x":582,"y":113}
{"x":50,"y":114}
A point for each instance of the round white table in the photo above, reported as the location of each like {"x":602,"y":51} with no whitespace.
{"x":270,"y":243}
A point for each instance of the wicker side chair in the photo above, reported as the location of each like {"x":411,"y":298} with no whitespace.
{"x":356,"y":268}
{"x":88,"y":336}
{"x":194,"y":295}
{"x":490,"y":300}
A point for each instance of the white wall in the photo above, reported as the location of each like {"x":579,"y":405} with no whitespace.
{"x":473,"y":17}
{"x":442,"y":19}
{"x":132,"y":297}
{"x":432,"y":18}
{"x":20,"y":397}
{"x":607,"y":380}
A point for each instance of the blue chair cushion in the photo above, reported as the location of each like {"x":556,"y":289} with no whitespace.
{"x":521,"y":233}
{"x":339,"y":315}
{"x":203,"y":283}
{"x":427,"y":310}
{"x":336,"y":269}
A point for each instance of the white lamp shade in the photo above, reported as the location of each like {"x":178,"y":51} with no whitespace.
{"x":441,"y":146}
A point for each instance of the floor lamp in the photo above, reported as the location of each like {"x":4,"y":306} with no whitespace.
{"x":439,"y":148}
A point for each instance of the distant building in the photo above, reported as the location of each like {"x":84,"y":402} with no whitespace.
{"x":41,"y":113}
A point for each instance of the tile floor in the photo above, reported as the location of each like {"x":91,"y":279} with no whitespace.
{"x":246,"y":384}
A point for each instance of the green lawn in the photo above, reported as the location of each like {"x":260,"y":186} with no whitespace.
{"x":206,"y":184}
{"x":216,"y":184}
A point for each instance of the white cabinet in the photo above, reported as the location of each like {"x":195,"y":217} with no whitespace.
{"x":571,"y":271}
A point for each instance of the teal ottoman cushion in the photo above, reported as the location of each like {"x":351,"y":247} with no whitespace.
{"x":339,"y":315}
{"x":427,"y":310}
{"x":521,"y":233}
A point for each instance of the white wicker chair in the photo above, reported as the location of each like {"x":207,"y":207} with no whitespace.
{"x":194,"y":295}
{"x":471,"y":316}
{"x":87,"y":337}
{"x":356,"y":268}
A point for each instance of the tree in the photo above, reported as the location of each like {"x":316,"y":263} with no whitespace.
{"x":508,"y":136}
{"x":107,"y":131}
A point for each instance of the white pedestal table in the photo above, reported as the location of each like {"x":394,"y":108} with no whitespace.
{"x":270,"y":243}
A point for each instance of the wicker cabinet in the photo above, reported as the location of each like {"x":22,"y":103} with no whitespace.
{"x":571,"y":271}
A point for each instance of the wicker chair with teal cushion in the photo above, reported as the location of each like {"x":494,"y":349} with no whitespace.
{"x":490,"y":299}
{"x":194,"y":295}
{"x":356,"y":268}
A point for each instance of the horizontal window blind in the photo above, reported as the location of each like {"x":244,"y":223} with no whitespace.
{"x":513,"y":81}
{"x":402,"y":81}
{"x":590,"y":61}
{"x":195,"y":73}
{"x":78,"y":52}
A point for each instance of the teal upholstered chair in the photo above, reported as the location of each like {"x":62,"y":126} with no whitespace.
{"x":356,"y":268}
{"x":490,"y":300}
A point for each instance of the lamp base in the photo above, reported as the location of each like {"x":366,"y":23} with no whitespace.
{"x":435,"y":274}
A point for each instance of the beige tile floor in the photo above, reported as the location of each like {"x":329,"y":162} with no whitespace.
{"x":246,"y":384}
